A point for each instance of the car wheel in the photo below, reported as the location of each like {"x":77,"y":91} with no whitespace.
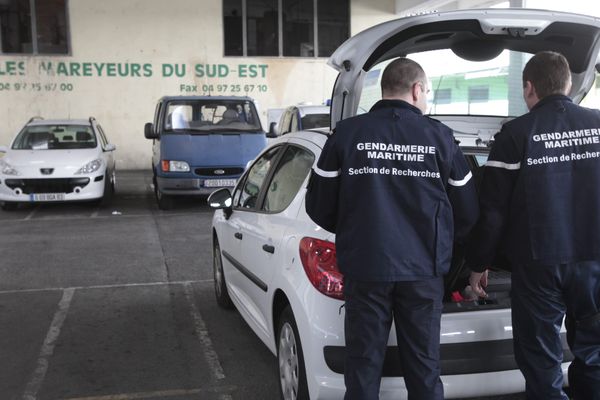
{"x":9,"y":205}
{"x":109,"y":190}
{"x":223,"y":299}
{"x":292,"y":374}
{"x":165,"y":202}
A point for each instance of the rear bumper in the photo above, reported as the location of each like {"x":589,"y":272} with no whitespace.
{"x":455,"y":358}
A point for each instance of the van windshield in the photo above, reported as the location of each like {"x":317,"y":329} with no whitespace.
{"x":211,"y":116}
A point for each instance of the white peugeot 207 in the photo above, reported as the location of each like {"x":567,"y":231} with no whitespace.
{"x":278,"y":268}
{"x":57,"y":160}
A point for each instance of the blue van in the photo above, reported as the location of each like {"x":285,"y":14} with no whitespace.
{"x":201,"y":143}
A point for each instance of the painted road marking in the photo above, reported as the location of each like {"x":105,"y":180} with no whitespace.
{"x":38,"y":376}
{"x":32,"y":213}
{"x":123,"y":285}
{"x":72,"y":218}
{"x":202,"y":332}
{"x":161,"y":393}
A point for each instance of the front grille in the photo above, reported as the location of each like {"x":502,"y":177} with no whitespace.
{"x":54,"y":185}
{"x":226,"y":171}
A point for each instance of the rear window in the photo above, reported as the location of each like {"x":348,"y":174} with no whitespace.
{"x":461,"y":87}
{"x":310,"y":121}
{"x":211,"y":116}
{"x":55,"y":137}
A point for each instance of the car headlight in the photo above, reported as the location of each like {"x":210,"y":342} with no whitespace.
{"x":90,"y":167}
{"x":7,"y":169}
{"x":175,"y":166}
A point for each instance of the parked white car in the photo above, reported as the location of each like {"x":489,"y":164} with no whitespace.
{"x":57,"y":160}
{"x":278,"y":268}
{"x":299,"y":118}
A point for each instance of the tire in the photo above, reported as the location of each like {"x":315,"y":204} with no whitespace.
{"x":221,"y":293}
{"x":9,"y":205}
{"x":109,"y":191}
{"x":165,"y":202}
{"x":290,"y":359}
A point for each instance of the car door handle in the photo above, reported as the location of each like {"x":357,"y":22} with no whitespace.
{"x":268,"y":248}
{"x":238,"y":235}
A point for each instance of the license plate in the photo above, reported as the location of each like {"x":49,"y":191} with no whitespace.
{"x":47,"y":197}
{"x":219,"y":182}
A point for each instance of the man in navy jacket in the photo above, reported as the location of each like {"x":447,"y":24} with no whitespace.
{"x":540,"y":209}
{"x":396,"y":190}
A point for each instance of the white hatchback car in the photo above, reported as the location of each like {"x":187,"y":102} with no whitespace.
{"x":57,"y":160}
{"x":278,"y":268}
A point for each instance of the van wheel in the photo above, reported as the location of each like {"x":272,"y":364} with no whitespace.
{"x":165,"y":202}
{"x":9,"y":205}
{"x":292,"y":374}
{"x":223,"y":299}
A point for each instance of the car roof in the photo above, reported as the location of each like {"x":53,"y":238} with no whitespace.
{"x":306,"y":109}
{"x":192,"y":98}
{"x":42,"y":122}
{"x":474,"y":35}
{"x":316,"y":136}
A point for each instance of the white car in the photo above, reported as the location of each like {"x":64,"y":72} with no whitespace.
{"x":301,"y":117}
{"x":57,"y":160}
{"x":278,"y":268}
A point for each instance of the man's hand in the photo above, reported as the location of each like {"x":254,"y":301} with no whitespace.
{"x":478,"y":281}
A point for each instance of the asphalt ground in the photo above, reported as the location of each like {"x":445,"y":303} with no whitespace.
{"x":117,"y":303}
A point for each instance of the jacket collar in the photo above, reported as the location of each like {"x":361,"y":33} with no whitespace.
{"x":381,"y":104}
{"x":551,"y":99}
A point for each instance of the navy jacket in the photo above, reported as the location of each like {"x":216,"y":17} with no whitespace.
{"x":540,"y":192}
{"x":394,"y":187}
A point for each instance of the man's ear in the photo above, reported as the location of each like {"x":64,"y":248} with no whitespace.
{"x":569,"y":86}
{"x":529,"y":90}
{"x":416,"y":91}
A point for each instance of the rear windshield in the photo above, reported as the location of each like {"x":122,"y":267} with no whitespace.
{"x":55,"y":137}
{"x":461,"y":87}
{"x":310,"y":121}
{"x":211,"y":116}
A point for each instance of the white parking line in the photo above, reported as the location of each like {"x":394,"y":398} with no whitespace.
{"x":38,"y":376}
{"x":32,"y":213}
{"x":200,"y":327}
{"x":160,"y":393}
{"x":72,"y":218}
{"x":122,"y":285}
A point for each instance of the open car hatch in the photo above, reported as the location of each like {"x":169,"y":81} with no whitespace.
{"x":473,"y":35}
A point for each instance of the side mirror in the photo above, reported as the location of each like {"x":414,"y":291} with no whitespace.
{"x":273,"y":131}
{"x":149,"y":131}
{"x":3,"y":149}
{"x":221,"y":200}
{"x":110,"y":147}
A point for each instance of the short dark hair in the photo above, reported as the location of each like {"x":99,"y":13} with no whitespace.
{"x":400,"y":75}
{"x":548,"y":72}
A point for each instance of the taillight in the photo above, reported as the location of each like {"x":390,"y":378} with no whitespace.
{"x":320,"y":264}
